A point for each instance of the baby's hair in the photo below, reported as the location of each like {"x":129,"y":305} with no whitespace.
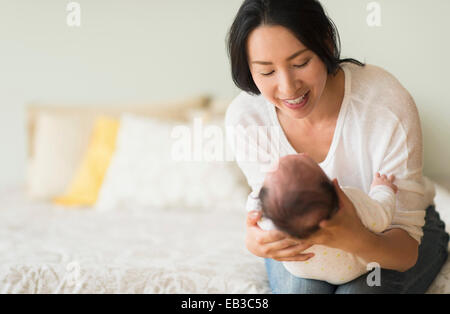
{"x":295,"y":211}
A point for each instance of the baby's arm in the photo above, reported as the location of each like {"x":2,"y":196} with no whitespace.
{"x":377,"y":209}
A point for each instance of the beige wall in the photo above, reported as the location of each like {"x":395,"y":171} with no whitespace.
{"x":138,"y":51}
{"x":413,"y":44}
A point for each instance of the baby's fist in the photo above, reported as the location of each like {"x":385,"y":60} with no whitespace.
{"x":384,"y":180}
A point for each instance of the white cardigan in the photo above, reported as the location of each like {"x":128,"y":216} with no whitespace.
{"x":378,"y":130}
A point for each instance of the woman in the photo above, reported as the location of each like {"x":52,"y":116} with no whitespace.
{"x":352,"y":119}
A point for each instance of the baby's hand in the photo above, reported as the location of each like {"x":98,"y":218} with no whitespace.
{"x":383,"y":180}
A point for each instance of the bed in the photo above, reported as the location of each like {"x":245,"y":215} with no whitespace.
{"x":49,"y":249}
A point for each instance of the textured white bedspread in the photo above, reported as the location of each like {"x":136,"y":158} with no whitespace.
{"x":47,"y":249}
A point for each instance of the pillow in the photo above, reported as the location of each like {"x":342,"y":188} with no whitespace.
{"x":148,"y":169}
{"x":59,"y":145}
{"x":85,"y":185}
{"x":58,"y":137}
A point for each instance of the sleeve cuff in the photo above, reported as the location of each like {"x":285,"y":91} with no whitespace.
{"x":382,"y":189}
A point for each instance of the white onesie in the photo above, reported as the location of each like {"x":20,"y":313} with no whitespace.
{"x":335,"y":266}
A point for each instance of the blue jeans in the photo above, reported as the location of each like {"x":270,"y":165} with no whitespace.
{"x":432,"y":256}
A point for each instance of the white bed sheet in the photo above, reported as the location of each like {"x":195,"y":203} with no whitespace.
{"x":48,"y":249}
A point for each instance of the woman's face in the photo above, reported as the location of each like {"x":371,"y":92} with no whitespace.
{"x":284,"y":70}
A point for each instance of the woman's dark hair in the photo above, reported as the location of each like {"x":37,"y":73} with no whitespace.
{"x":306,"y":19}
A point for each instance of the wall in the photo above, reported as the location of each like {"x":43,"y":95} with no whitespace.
{"x":138,"y":51}
{"x":413,"y":44}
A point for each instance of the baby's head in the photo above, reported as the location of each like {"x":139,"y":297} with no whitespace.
{"x":298,"y":196}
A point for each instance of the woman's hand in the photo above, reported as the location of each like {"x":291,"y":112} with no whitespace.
{"x":274,"y":243}
{"x":344,"y":230}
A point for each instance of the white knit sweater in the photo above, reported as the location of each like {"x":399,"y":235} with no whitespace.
{"x":378,"y":130}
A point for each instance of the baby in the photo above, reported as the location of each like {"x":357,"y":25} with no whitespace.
{"x":298,"y":195}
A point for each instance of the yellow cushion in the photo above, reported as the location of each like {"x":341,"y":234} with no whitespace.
{"x":86,"y":184}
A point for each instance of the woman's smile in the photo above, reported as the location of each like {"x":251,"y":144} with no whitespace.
{"x":298,"y":103}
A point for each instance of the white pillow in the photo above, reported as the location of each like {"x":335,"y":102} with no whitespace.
{"x":58,"y":146}
{"x":58,"y":137}
{"x":143,"y":172}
